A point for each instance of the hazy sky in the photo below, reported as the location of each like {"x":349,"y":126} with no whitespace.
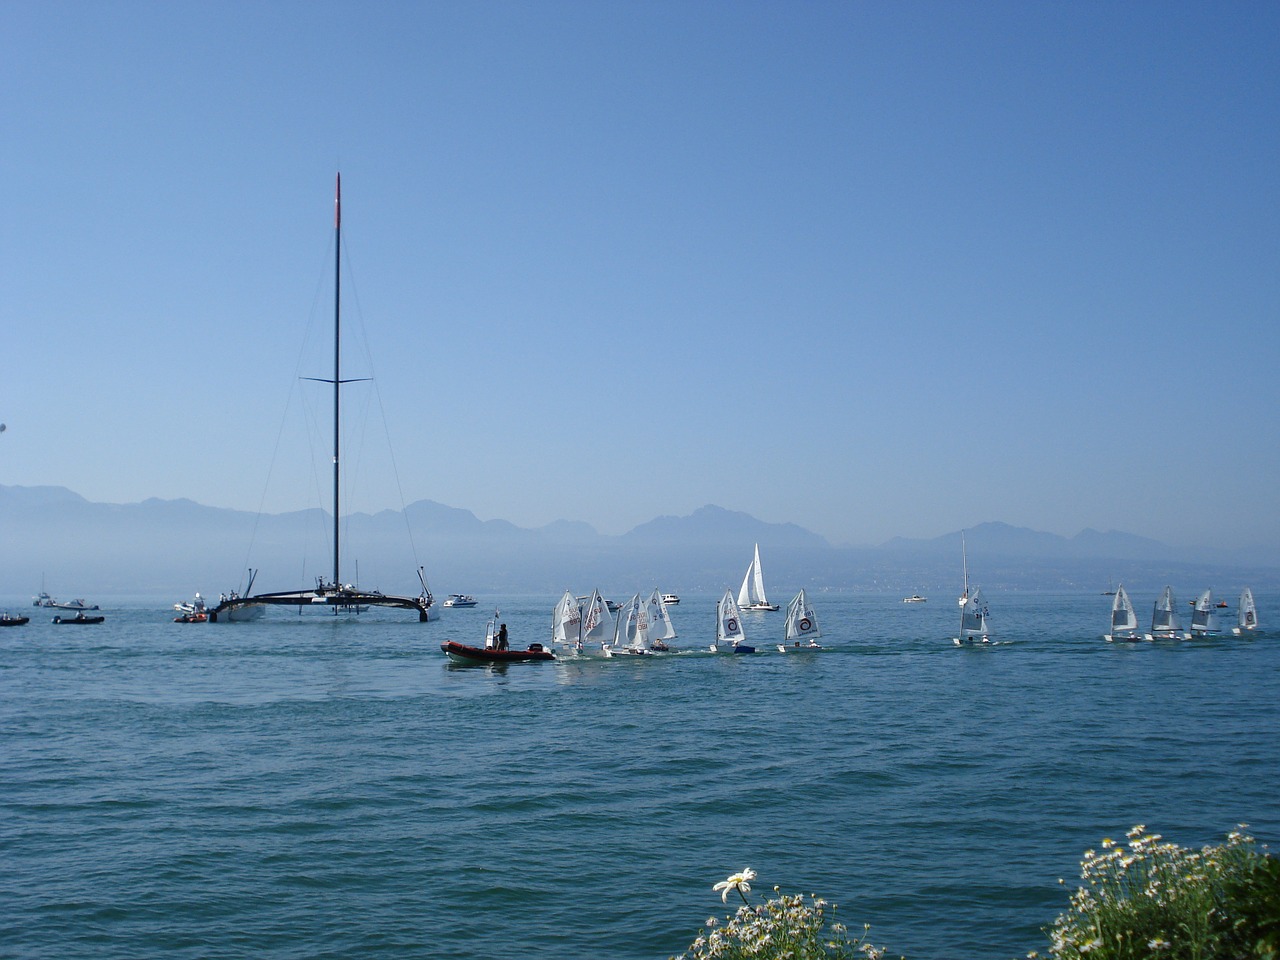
{"x":878,"y":269}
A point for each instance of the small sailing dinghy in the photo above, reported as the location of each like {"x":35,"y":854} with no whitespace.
{"x":1248,"y":614}
{"x":1204,"y":621}
{"x":661,"y":629}
{"x":496,"y":648}
{"x":1124,"y":619}
{"x":973,"y":608}
{"x":597,"y":622}
{"x":566,"y":622}
{"x":1164,"y":618}
{"x":751,"y":596}
{"x":729,"y":632}
{"x":802,"y":626}
{"x":630,"y":631}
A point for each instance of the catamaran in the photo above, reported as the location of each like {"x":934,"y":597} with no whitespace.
{"x":802,"y":626}
{"x":1204,"y":622}
{"x":1164,"y":618}
{"x":332,"y":594}
{"x":1248,"y":614}
{"x":1124,"y":620}
{"x":751,"y":596}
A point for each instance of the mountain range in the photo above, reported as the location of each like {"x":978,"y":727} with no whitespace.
{"x":175,"y":547}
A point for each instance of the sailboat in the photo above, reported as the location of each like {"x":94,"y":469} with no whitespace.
{"x":630,"y":631}
{"x":1248,"y":615}
{"x":661,"y":629}
{"x":802,"y":626}
{"x":729,"y":626}
{"x":1124,"y":620}
{"x":751,"y":596}
{"x":566,"y":622}
{"x":1164,"y":618}
{"x":1204,"y":622}
{"x":973,"y":609}
{"x":597,"y":622}
{"x":332,"y":594}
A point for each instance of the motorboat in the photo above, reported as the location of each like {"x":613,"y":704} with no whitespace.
{"x":460,"y":600}
{"x":465,"y":653}
{"x":13,"y":620}
{"x":191,"y":611}
{"x":670,"y":599}
{"x":80,"y":618}
{"x":915,"y":598}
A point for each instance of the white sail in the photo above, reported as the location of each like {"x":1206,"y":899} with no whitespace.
{"x":802,"y":623}
{"x":751,"y":596}
{"x":597,"y":621}
{"x":1164,"y":618}
{"x":566,"y":620}
{"x":973,"y":618}
{"x":631,"y":630}
{"x":661,"y":629}
{"x":728,"y":622}
{"x":1248,"y":614}
{"x":1124,"y":619}
{"x":1204,"y":622}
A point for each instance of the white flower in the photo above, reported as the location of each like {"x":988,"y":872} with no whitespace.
{"x":738,"y":881}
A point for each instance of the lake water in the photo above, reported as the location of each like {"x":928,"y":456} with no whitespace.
{"x":315,"y":788}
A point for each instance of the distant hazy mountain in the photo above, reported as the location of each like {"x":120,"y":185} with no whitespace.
{"x":171,"y":548}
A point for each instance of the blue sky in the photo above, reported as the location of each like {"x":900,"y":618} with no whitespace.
{"x":877,"y":269}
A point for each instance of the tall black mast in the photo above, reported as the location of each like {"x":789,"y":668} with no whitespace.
{"x":337,"y":355}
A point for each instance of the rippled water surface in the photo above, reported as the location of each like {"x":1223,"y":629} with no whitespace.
{"x":305,"y":787}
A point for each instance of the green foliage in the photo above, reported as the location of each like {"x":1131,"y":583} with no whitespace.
{"x":786,"y":927}
{"x":1149,"y":899}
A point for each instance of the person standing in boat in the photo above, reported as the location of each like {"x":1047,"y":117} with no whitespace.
{"x":502,"y":637}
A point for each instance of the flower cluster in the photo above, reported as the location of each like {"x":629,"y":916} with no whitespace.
{"x":787,"y":926}
{"x":1146,"y":897}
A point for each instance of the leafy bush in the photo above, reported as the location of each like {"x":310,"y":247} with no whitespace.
{"x":1151,"y":899}
{"x":786,"y":927}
